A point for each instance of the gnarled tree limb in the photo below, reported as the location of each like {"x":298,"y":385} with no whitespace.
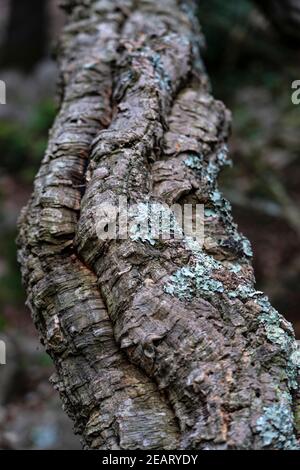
{"x":157,"y":343}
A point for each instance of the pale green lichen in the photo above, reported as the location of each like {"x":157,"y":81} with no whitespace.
{"x":247,"y":249}
{"x":278,"y":330}
{"x":223,"y":156}
{"x":162,"y":77}
{"x":269,"y":317}
{"x":193,"y":245}
{"x":243,"y":291}
{"x":211,"y":172}
{"x":153,"y":221}
{"x":214,"y":166}
{"x":293,"y":369}
{"x":277,"y":335}
{"x":210,"y":212}
{"x":283,"y":337}
{"x":194,"y":161}
{"x":235,"y":268}
{"x":198,"y":280}
{"x":217,"y":198}
{"x":273,"y":324}
{"x":194,"y":280}
{"x":223,"y":206}
{"x":139,"y":229}
{"x":204,"y":283}
{"x":295,"y":358}
{"x":180,"y":284}
{"x":276,"y":426}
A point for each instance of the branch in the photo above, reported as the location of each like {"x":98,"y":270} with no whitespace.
{"x":157,"y":343}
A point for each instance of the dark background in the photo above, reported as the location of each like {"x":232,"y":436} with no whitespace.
{"x":251,"y":70}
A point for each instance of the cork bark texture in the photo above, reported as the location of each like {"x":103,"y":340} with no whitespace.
{"x":157,"y":344}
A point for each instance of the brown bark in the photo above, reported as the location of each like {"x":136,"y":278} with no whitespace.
{"x":157,"y":344}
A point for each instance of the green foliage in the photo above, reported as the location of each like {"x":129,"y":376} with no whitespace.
{"x":2,"y":322}
{"x":44,"y":360}
{"x":241,"y":50}
{"x":22,"y":146}
{"x":222,"y":18}
{"x":11,"y":290}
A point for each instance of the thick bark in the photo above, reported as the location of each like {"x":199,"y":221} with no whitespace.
{"x":157,"y":343}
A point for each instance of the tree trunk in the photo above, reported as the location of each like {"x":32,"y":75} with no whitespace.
{"x":158,"y":344}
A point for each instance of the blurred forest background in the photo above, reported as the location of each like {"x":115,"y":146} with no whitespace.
{"x":251,"y":70}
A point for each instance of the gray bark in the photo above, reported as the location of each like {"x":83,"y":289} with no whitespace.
{"x":157,"y":345}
